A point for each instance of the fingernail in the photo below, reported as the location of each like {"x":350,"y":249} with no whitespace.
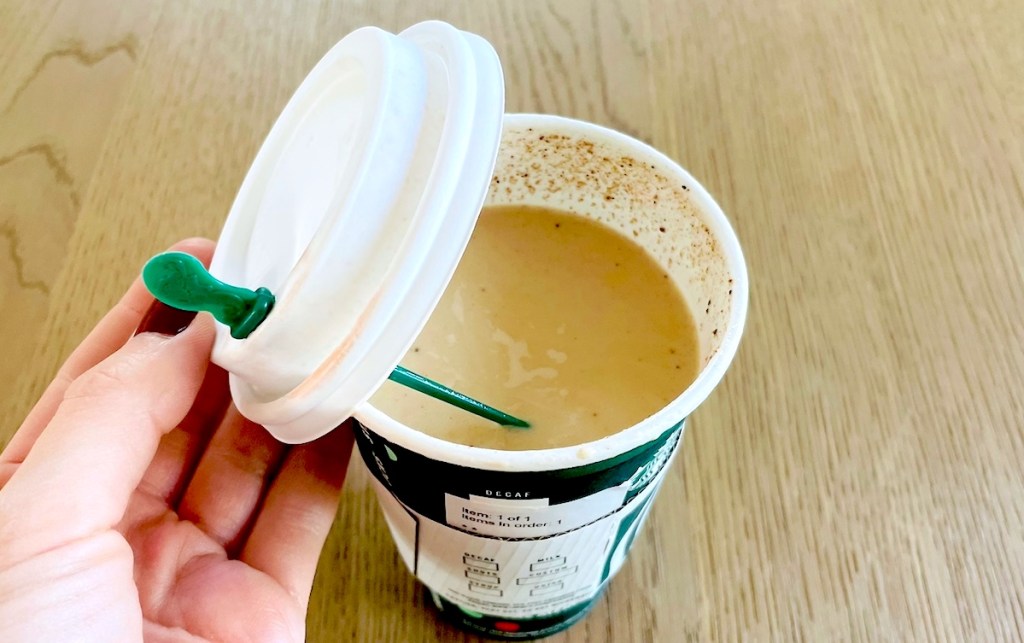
{"x":163,"y":319}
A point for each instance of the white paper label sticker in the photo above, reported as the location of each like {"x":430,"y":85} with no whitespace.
{"x":529,"y":518}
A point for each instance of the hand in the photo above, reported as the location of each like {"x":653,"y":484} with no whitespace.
{"x":135,"y":501}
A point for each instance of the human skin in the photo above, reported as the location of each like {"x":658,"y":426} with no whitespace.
{"x":136,"y":503}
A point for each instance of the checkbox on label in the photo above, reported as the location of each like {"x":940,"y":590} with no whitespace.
{"x":547,"y":575}
{"x":548,"y":563}
{"x":489,"y":590}
{"x":549,"y":588}
{"x":470,"y":561}
{"x":482,"y":576}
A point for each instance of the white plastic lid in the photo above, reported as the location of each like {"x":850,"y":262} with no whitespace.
{"x":355,"y":213}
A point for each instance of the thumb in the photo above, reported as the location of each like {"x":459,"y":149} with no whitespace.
{"x":82,"y":470}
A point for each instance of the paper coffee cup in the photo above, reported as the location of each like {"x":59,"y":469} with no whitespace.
{"x":520,"y":544}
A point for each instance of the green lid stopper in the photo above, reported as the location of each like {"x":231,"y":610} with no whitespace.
{"x":180,"y":280}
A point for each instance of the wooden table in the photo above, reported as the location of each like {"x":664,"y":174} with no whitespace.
{"x":857,"y":476}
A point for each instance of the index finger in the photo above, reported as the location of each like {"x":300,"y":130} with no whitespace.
{"x":111,"y":333}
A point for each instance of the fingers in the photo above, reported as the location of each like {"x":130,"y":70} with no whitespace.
{"x":111,"y":333}
{"x":83,"y":468}
{"x":230,"y":480}
{"x":290,"y":531}
{"x":7,"y":470}
{"x":180,"y":450}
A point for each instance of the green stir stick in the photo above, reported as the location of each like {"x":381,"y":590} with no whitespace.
{"x":180,"y":280}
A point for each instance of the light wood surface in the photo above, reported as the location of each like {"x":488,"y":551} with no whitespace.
{"x":859,"y":475}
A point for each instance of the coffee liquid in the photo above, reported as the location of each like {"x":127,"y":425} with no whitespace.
{"x":558,"y":320}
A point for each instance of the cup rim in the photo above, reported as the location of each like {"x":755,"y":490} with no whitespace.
{"x":654,"y":425}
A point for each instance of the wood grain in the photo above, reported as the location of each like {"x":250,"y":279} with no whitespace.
{"x":857,"y":475}
{"x":64,"y":71}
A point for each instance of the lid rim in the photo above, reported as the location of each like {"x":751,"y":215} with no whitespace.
{"x":300,"y":399}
